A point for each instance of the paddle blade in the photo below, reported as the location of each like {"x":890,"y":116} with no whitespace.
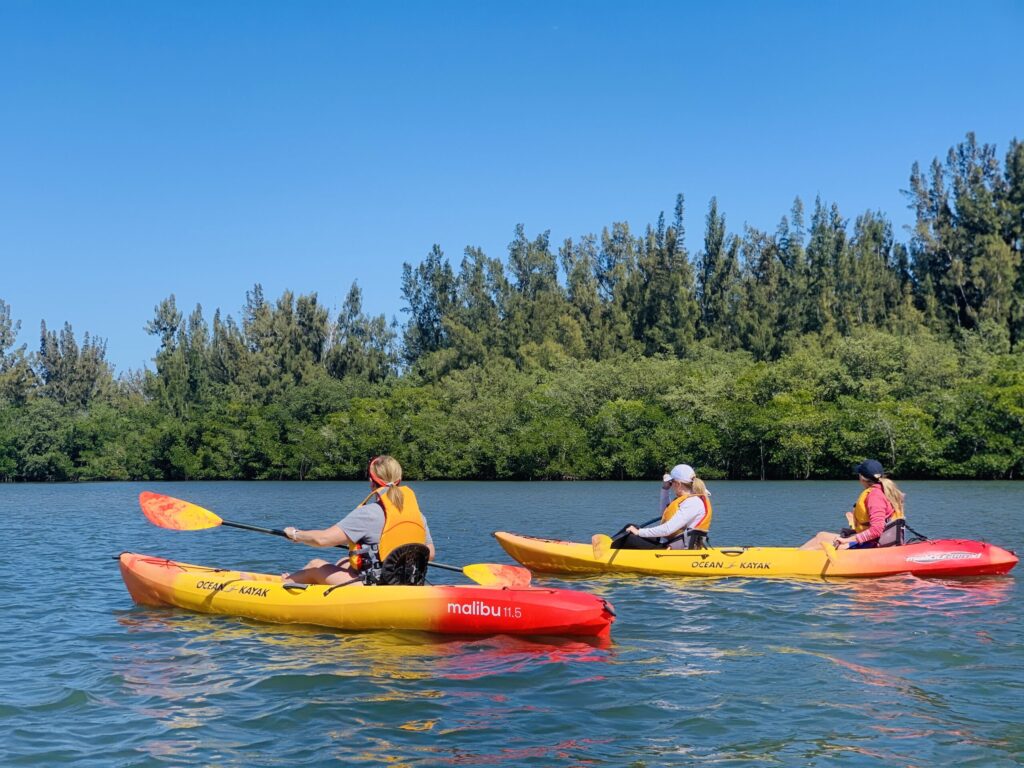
{"x":602,"y":545}
{"x":830,"y":551}
{"x":498,"y":575}
{"x":175,"y":514}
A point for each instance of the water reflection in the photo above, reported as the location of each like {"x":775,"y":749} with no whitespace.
{"x":274,"y":651}
{"x":576,"y":750}
{"x":207,"y":667}
{"x":882,"y":598}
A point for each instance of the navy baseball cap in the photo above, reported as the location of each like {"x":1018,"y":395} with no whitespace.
{"x":870,"y":469}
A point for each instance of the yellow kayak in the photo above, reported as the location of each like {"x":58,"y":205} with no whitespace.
{"x":939,"y":557}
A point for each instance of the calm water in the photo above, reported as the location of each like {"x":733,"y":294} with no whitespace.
{"x":898,"y":671}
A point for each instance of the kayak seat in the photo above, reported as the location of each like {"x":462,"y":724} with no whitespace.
{"x":691,"y":538}
{"x":697,"y":539}
{"x":405,"y":565}
{"x":894,"y":534}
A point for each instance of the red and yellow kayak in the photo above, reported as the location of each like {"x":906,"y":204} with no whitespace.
{"x":941,"y":557}
{"x":470,"y":609}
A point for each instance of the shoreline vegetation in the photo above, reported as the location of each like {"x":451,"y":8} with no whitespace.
{"x":766,"y":355}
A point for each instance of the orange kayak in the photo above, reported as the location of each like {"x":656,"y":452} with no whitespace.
{"x":469,"y":609}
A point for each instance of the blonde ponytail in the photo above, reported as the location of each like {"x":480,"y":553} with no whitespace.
{"x":388,"y":469}
{"x":893,"y":494}
{"x":697,"y":487}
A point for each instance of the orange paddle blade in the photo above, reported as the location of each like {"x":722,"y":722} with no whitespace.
{"x":601,"y":545}
{"x":178,"y":515}
{"x":498,"y":575}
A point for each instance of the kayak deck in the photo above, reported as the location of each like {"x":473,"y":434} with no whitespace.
{"x":940,"y":557}
{"x":461,"y":609}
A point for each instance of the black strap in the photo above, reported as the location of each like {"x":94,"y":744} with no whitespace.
{"x":343,"y":584}
{"x":919,"y":536}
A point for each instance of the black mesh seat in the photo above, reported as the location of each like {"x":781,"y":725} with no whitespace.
{"x":696,"y":539}
{"x":894,"y":534}
{"x":405,"y":565}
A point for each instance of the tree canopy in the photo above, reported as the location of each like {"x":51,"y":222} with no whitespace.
{"x":785,"y":354}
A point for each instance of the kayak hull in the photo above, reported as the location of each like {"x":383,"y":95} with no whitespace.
{"x":938,"y":558}
{"x":464,"y":610}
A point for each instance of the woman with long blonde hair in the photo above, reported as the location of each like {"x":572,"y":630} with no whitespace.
{"x":877,"y":515}
{"x":684,"y":520}
{"x":386,"y":519}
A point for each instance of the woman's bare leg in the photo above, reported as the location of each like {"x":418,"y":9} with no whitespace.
{"x":319,"y":571}
{"x":820,"y":537}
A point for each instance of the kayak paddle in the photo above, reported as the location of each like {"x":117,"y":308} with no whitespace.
{"x":602,"y":543}
{"x":179,"y":515}
{"x":830,"y":551}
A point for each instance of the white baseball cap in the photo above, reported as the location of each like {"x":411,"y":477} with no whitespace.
{"x":683,"y":473}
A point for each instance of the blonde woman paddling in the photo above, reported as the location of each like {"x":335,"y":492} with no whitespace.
{"x":685,"y":517}
{"x":388,"y":518}
{"x":875,"y":515}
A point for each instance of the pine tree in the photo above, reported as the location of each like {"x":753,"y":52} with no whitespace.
{"x":795,"y":276}
{"x":826,"y":259}
{"x":615,"y":271}
{"x":718,"y":280}
{"x":962,"y":240}
{"x":578,"y":261}
{"x":429,"y":292}
{"x":474,"y":324}
{"x":71,"y":374}
{"x":17,"y":379}
{"x":361,"y":346}
{"x":1013,"y":230}
{"x":760,"y":321}
{"x":667,"y":309}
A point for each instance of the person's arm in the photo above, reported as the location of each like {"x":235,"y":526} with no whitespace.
{"x":687,"y":514}
{"x":326,"y":537}
{"x":348,"y":531}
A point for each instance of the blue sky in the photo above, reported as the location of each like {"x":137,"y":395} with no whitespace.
{"x":197,"y":148}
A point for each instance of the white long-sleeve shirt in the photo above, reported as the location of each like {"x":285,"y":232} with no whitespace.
{"x":689,"y":514}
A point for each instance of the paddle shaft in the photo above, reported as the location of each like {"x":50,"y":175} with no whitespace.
{"x":623,"y":535}
{"x":279,"y":532}
{"x":245,"y":527}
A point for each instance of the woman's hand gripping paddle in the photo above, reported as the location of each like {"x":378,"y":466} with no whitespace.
{"x":179,"y":515}
{"x":602,"y":544}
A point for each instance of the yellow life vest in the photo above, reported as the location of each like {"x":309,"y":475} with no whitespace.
{"x":401,"y":526}
{"x":861,"y":518}
{"x":704,"y":524}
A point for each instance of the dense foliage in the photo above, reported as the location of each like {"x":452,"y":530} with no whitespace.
{"x":786,"y":354}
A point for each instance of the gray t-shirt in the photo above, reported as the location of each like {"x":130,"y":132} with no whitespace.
{"x":364,"y":525}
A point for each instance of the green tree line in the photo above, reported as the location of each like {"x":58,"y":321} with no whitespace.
{"x":784,"y":354}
